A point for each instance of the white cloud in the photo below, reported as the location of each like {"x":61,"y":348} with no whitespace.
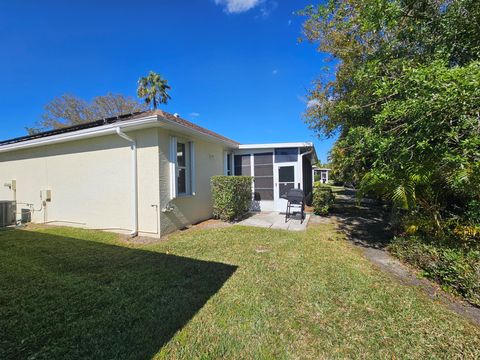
{"x":267,"y":7}
{"x":312,"y":103}
{"x":308,"y":103}
{"x":194,"y":115}
{"x":238,"y":6}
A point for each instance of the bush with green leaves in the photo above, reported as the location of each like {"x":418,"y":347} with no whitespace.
{"x":323,"y":199}
{"x":456,"y":269}
{"x":472,"y":212}
{"x":232,"y":196}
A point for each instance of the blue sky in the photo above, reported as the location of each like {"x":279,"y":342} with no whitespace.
{"x":235,"y":66}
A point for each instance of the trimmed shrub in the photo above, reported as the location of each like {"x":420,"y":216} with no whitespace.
{"x":232,"y":196}
{"x":323,"y":199}
{"x":456,"y":269}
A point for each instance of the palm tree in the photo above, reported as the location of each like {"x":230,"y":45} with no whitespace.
{"x":153,"y":89}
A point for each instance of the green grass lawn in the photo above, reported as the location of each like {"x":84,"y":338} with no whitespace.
{"x":233,"y":292}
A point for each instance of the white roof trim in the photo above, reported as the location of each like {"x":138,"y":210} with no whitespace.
{"x":81,"y":134}
{"x":275,"y":145}
{"x":103,"y":130}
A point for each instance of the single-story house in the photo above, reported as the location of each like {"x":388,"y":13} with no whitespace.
{"x":145,"y":173}
{"x":321,"y":174}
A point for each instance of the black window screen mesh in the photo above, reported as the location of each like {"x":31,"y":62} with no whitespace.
{"x":286,"y":155}
{"x":242,"y":165}
{"x":263,"y":176}
{"x":286,"y":179}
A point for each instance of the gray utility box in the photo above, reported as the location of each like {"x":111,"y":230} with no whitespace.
{"x":8,"y":211}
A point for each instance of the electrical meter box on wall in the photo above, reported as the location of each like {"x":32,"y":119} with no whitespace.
{"x":12,"y":185}
{"x":46,"y":195}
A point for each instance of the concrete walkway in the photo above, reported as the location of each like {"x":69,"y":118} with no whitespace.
{"x":366,"y":226}
{"x":275,"y":220}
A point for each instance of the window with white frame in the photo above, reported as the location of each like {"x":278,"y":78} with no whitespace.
{"x":182,"y":167}
{"x":228,"y":160}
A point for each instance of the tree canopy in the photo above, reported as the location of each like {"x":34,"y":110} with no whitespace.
{"x":68,"y":110}
{"x":153,"y":89}
{"x":405,"y":100}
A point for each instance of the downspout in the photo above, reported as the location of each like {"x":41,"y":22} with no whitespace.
{"x":133,"y":145}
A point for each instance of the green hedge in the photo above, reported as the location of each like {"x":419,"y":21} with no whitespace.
{"x":232,"y":196}
{"x":323,"y":199}
{"x":456,"y":269}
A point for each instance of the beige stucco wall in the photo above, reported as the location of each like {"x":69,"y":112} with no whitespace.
{"x":90,"y":181}
{"x":189,"y":209}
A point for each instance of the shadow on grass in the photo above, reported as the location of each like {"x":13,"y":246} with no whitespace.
{"x":69,"y":298}
{"x":366,"y":224}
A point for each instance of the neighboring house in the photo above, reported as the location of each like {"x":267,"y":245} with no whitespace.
{"x":321,"y":174}
{"x":146,"y":173}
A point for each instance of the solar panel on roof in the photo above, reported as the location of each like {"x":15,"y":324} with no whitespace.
{"x":67,"y":129}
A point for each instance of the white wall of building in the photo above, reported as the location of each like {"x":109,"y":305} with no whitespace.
{"x":90,"y":182}
{"x":189,"y":209}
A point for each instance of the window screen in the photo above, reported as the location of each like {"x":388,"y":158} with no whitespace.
{"x":229,"y":164}
{"x":286,"y":155}
{"x":242,"y":165}
{"x":182,"y":168}
{"x":286,"y":179}
{"x":263,"y":176}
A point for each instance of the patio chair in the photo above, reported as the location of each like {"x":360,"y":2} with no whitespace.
{"x":295,"y":201}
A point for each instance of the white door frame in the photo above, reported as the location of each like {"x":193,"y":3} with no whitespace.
{"x":281,"y":204}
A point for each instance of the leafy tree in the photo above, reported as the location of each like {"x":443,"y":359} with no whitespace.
{"x":405,"y":101}
{"x":153,"y":89}
{"x":114,"y":104}
{"x":68,"y":110}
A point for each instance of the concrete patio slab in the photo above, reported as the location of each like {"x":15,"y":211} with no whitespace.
{"x":275,"y":220}
{"x":281,"y":225}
